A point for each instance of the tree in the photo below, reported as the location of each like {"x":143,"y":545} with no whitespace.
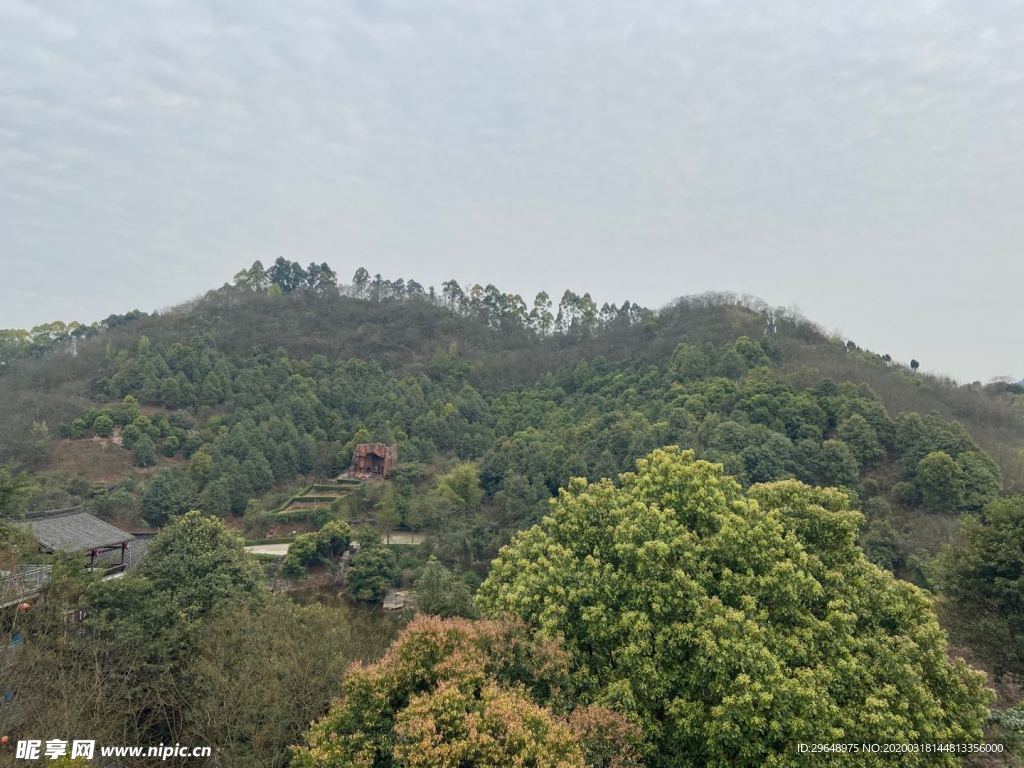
{"x":287,"y":275}
{"x":541,"y":319}
{"x":941,"y":481}
{"x":838,"y":464}
{"x":371,"y":571}
{"x":982,"y":480}
{"x":302,"y":553}
{"x":216,"y":498}
{"x":568,"y":311}
{"x":103,"y":425}
{"x":255,"y":687}
{"x":257,"y":279}
{"x":360,"y":281}
{"x":388,"y":514}
{"x":688,"y":361}
{"x":734,"y":625}
{"x":14,"y":491}
{"x":460,"y":693}
{"x":333,"y":539}
{"x":881,"y":544}
{"x":982,"y":579}
{"x":914,"y":365}
{"x":144,"y":451}
{"x":441,"y":593}
{"x":463,"y":483}
{"x":862,"y":440}
{"x":168,"y":495}
{"x":326,"y":279}
{"x":196,"y":563}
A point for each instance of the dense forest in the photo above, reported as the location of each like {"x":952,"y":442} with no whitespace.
{"x":701,"y":535}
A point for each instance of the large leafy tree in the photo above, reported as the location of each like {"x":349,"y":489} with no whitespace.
{"x":734,"y":625}
{"x":461,"y":693}
{"x":196,"y":563}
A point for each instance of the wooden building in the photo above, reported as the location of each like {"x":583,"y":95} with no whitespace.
{"x":73,"y":530}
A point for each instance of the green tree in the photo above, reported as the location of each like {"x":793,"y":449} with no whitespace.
{"x":302,"y":553}
{"x":541,"y":319}
{"x":387,"y":511}
{"x":196,"y":563}
{"x":463,"y":481}
{"x":941,"y":481}
{"x":881,"y":544}
{"x":216,"y":498}
{"x":333,"y":539}
{"x":688,"y":361}
{"x":169,"y":494}
{"x":441,"y":593}
{"x":360,"y":282}
{"x":103,"y":425}
{"x":144,"y":452}
{"x":838,"y":466}
{"x":14,"y":491}
{"x":982,"y":480}
{"x":862,"y":440}
{"x":734,"y":626}
{"x":371,"y":571}
{"x":982,"y":579}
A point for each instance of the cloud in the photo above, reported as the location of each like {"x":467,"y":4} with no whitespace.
{"x":148,"y":149}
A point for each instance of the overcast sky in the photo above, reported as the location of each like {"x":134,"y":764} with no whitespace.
{"x":862,"y":160}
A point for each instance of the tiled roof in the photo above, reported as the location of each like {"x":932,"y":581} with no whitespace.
{"x":75,"y":532}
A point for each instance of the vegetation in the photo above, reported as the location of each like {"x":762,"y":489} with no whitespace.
{"x":734,"y":626}
{"x":982,"y":575}
{"x":370,"y":573}
{"x":454,"y":692}
{"x":191,"y":650}
{"x":717,"y":606}
{"x":320,"y":548}
{"x":441,"y":593}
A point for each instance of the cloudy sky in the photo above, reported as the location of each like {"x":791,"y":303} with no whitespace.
{"x":861,"y":160}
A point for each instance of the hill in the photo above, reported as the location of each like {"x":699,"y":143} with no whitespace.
{"x":274,"y":378}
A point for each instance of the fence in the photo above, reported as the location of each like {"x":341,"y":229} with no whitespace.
{"x":26,"y":582}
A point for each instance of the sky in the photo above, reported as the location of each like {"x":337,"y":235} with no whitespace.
{"x":863,"y":161}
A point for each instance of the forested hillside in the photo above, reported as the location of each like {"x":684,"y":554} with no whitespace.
{"x":234,"y":403}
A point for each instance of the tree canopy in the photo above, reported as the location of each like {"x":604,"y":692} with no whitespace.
{"x":460,"y":693}
{"x":734,"y":625}
{"x":982,"y":575}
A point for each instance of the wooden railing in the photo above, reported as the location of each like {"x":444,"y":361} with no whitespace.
{"x":27,"y":581}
